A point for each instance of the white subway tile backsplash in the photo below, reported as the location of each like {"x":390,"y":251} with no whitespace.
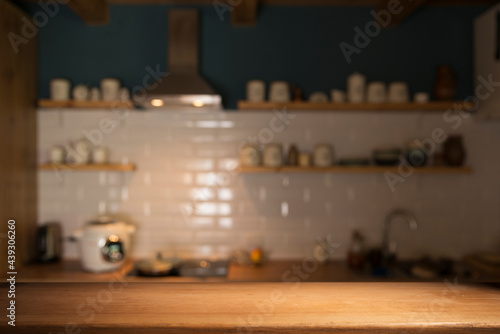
{"x":186,"y":196}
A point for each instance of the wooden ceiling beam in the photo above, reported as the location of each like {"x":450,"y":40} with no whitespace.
{"x":245,"y":13}
{"x":93,"y":12}
{"x":398,"y":10}
{"x":366,"y":3}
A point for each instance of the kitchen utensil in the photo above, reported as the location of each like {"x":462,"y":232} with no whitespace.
{"x":323,"y":155}
{"x":377,"y":92}
{"x":110,"y":88}
{"x":398,"y":92}
{"x":104,"y":243}
{"x":82,"y":151}
{"x":354,"y":162}
{"x":454,"y":151}
{"x":421,"y":97}
{"x":416,"y":153}
{"x":273,"y":155}
{"x":279,"y":92}
{"x":338,"y":96}
{"x":158,"y":267}
{"x":100,"y":155}
{"x":386,"y":156}
{"x":293,"y":156}
{"x":256,"y":91}
{"x":304,"y":160}
{"x":81,"y":93}
{"x":250,"y":155}
{"x":318,"y":97}
{"x":57,"y":155}
{"x":60,"y":89}
{"x":356,"y":88}
{"x":49,"y":245}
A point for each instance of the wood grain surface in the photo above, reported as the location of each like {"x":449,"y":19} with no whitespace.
{"x":18,"y":183}
{"x":294,"y":307}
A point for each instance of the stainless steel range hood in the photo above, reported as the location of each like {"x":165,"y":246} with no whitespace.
{"x":183,"y":87}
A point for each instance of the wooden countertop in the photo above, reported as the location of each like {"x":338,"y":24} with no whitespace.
{"x":296,"y":307}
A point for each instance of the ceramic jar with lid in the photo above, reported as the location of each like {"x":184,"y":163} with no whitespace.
{"x":273,"y":155}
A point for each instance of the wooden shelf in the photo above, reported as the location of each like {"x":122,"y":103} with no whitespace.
{"x":309,"y":106}
{"x":353,"y":169}
{"x":71,"y":104}
{"x":90,"y":167}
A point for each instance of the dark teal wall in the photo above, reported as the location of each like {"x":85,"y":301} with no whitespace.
{"x":298,"y":44}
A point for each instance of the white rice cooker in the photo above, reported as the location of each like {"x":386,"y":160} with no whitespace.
{"x":104,"y":244}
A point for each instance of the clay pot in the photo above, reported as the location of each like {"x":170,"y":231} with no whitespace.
{"x":454,"y":151}
{"x":445,"y":87}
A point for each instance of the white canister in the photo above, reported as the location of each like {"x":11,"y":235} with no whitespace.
{"x":338,"y":96}
{"x":57,"y":155}
{"x":110,"y":88}
{"x":249,"y":155}
{"x":304,"y":160}
{"x":256,"y":91}
{"x":100,"y":155}
{"x":376,"y":93}
{"x":95,"y":94}
{"x":356,"y":83}
{"x":273,"y":155}
{"x":398,"y":92}
{"x":81,"y":93}
{"x":323,"y":155}
{"x":279,"y":92}
{"x":60,"y":89}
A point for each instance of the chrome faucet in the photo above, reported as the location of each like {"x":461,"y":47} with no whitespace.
{"x":412,"y":222}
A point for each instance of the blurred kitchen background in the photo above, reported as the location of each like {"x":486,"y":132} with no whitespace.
{"x":186,"y":196}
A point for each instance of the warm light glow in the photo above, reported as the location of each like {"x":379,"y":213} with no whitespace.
{"x":198,"y":103}
{"x":157,"y":103}
{"x":113,"y":238}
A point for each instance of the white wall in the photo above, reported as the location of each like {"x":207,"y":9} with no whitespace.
{"x":180,"y":155}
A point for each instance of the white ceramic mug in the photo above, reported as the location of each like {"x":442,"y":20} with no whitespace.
{"x":100,"y":155}
{"x":376,"y":92}
{"x":323,"y":155}
{"x":338,"y":96}
{"x":110,"y":88}
{"x":250,"y":155}
{"x":256,"y":91}
{"x":57,"y":155}
{"x":398,"y":92}
{"x":273,"y":155}
{"x":421,"y":97}
{"x":279,"y":92}
{"x":60,"y":89}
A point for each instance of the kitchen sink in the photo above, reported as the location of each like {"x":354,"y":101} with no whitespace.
{"x":204,"y":268}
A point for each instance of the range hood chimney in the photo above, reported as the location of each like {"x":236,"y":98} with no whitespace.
{"x":183,"y":87}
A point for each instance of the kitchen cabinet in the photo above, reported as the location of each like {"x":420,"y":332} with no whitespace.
{"x":18,"y":183}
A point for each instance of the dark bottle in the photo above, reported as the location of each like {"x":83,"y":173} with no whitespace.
{"x":293,"y":156}
{"x":445,"y":87}
{"x":454,"y":151}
